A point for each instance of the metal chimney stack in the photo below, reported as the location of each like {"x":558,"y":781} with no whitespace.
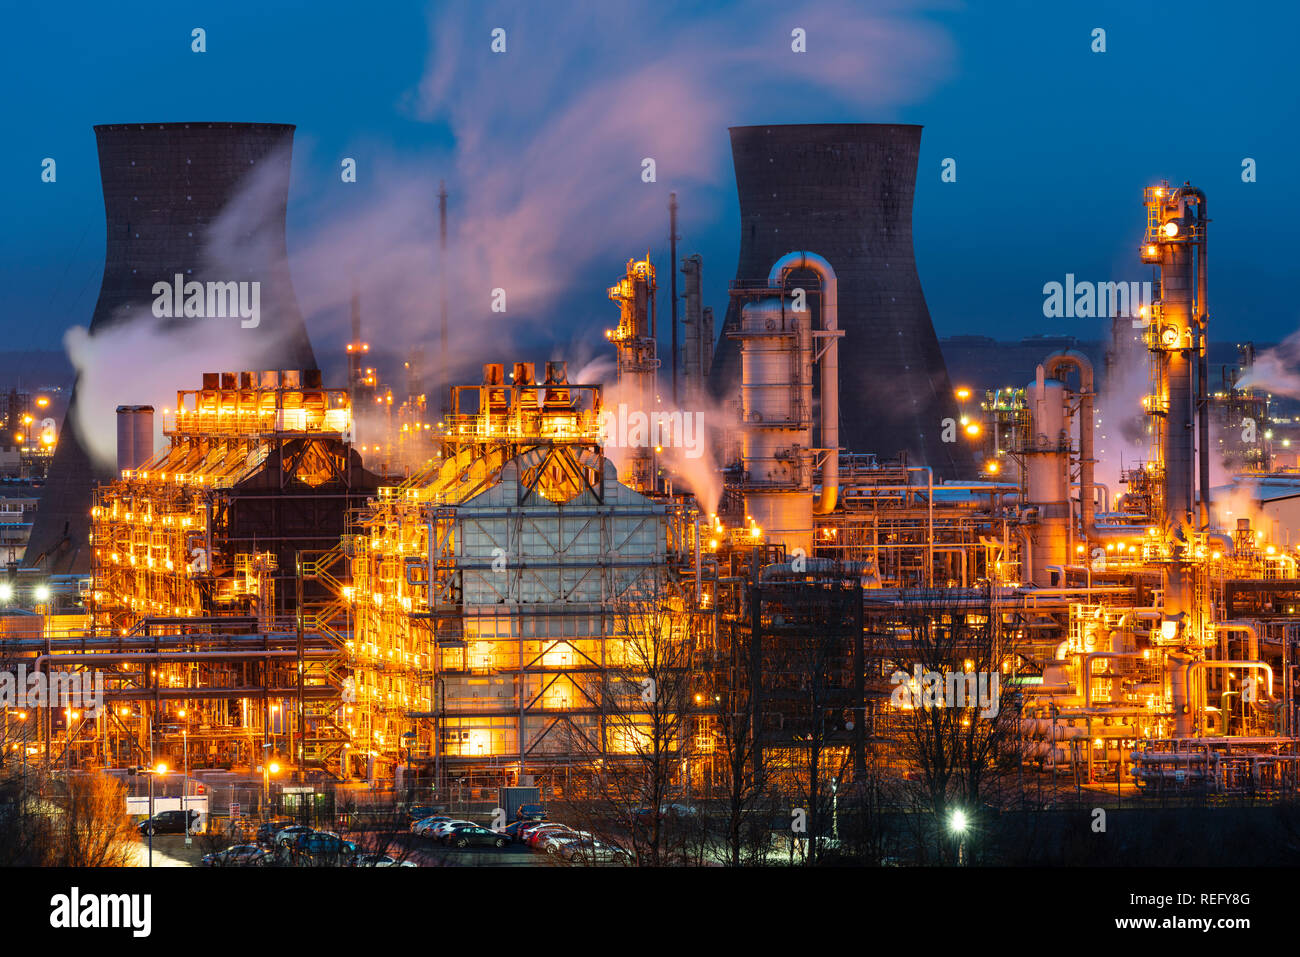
{"x":165,"y":188}
{"x":134,"y":436}
{"x":845,"y":191}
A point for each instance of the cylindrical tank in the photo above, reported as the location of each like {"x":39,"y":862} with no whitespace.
{"x":1184,"y":707}
{"x":134,"y":436}
{"x":776,"y":411}
{"x":1047,"y":459}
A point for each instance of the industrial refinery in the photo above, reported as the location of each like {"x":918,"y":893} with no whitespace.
{"x":451,"y":502}
{"x":402,"y":603}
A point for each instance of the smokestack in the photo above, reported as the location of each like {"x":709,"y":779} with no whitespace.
{"x":134,"y":436}
{"x":845,"y":192}
{"x":672,"y":268}
{"x":697,"y":342}
{"x":165,"y":187}
{"x":444,"y":380}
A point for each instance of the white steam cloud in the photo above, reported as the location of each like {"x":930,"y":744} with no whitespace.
{"x":1276,"y":370}
{"x":545,"y":177}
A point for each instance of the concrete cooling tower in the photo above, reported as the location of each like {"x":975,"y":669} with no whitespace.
{"x":844,"y":191}
{"x":166,"y":187}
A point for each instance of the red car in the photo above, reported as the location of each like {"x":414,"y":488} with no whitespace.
{"x":533,"y":837}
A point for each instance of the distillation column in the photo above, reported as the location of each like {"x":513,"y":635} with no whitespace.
{"x":637,"y":365}
{"x":1175,"y":242}
{"x":1046,"y":452}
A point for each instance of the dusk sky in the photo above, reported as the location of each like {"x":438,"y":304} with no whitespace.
{"x":541,"y":146}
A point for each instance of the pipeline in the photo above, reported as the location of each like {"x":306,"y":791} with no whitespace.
{"x":1251,"y":633}
{"x":1197,"y":665}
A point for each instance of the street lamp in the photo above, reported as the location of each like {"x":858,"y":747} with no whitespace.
{"x":958,"y":824}
{"x":153,"y":772}
{"x":185,"y":751}
{"x":268,"y":768}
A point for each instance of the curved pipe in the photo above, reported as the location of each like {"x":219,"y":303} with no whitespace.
{"x":1233,"y":626}
{"x":830,"y":363}
{"x":1196,"y":665}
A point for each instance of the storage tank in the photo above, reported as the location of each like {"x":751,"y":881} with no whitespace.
{"x":1047,"y":477}
{"x":776,"y":412}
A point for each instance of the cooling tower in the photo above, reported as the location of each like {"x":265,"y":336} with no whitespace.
{"x":166,"y":186}
{"x":844,"y":191}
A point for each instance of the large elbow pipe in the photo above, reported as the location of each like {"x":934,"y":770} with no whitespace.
{"x":1243,"y":665}
{"x":830,"y":362}
{"x":1252,"y":636}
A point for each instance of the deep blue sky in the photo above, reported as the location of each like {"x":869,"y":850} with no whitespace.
{"x":1053,"y":142}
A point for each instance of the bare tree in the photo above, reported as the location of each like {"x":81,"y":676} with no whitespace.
{"x":78,"y":822}
{"x":953,"y":721}
{"x":98,"y":830}
{"x":645,"y":696}
{"x":731,"y":708}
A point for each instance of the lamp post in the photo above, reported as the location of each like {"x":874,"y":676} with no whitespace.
{"x":151,"y":772}
{"x":269,"y":767}
{"x":958,"y":824}
{"x":185,"y":789}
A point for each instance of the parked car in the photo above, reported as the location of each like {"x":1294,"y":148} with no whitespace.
{"x":551,"y":843}
{"x":267,"y":830}
{"x":466,"y":835}
{"x":287,"y":836}
{"x":439,"y":830}
{"x":240,"y":855}
{"x":418,"y":812}
{"x":169,"y":822}
{"x":422,"y":826}
{"x":538,"y":834}
{"x":322,"y":847}
{"x":530,"y":812}
{"x":593,"y":852}
{"x":379,"y":860}
{"x":518,"y":830}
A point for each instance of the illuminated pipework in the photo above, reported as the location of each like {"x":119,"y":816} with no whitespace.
{"x":637,"y":361}
{"x":247,"y":406}
{"x":1176,"y":335}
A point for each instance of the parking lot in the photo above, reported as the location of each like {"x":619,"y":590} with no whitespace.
{"x":436,"y":841}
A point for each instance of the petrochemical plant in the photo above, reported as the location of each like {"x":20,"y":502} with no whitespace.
{"x":528,"y":579}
